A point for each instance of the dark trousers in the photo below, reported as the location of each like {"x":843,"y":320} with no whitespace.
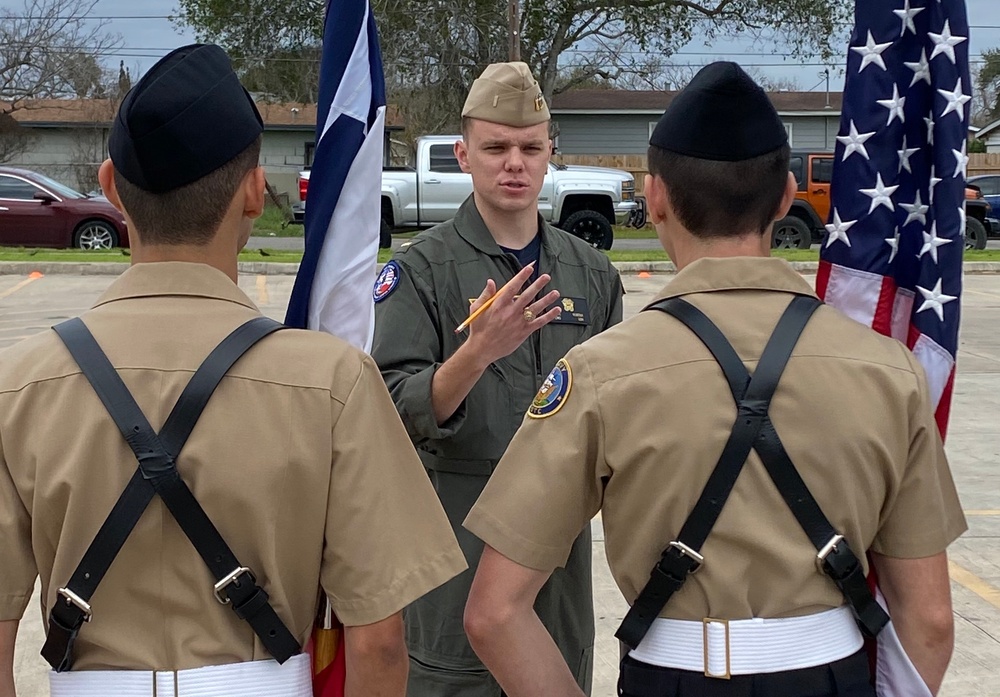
{"x":848,"y":677}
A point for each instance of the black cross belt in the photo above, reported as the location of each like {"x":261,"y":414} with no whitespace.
{"x":157,"y":474}
{"x":753,"y":430}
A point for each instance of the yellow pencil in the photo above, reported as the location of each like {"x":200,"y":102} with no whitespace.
{"x":485,"y":306}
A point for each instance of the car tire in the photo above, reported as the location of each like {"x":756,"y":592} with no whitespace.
{"x":95,"y":234}
{"x":975,"y":234}
{"x":591,"y":227}
{"x":384,"y":235}
{"x":791,"y":233}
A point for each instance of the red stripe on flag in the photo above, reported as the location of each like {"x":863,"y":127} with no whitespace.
{"x":944,"y":406}
{"x":882,"y":322}
{"x":823,"y":278}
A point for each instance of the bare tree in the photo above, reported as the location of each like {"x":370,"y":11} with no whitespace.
{"x":49,"y":50}
{"x":14,"y":138}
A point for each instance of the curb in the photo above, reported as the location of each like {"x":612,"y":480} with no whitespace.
{"x":264,"y":268}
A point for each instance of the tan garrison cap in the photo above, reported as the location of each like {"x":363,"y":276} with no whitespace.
{"x":506,"y":93}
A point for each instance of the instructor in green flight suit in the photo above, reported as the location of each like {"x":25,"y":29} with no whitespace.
{"x":463,"y":395}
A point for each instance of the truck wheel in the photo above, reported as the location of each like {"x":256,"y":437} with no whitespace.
{"x":975,"y":234}
{"x":591,"y":227}
{"x":791,"y":233}
{"x":384,"y":235}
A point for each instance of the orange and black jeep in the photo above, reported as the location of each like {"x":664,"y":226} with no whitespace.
{"x":806,"y":220}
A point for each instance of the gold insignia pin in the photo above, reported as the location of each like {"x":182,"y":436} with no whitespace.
{"x":568,"y":304}
{"x":539,"y":102}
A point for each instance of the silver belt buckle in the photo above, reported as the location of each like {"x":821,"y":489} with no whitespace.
{"x":74,"y":599}
{"x":230,"y":579}
{"x":705,"y":641}
{"x":827,"y":550}
{"x":691,"y":554}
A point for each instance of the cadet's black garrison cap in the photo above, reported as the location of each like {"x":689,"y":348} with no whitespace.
{"x":186,"y":117}
{"x":721,"y":115}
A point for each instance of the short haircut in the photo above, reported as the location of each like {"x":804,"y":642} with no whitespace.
{"x":723,"y":199}
{"x":192,"y":213}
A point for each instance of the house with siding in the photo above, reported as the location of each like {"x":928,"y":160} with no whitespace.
{"x":619,"y":122}
{"x":68,"y":139}
{"x":990,"y":134}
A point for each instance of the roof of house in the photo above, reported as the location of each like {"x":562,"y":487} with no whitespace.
{"x":988,"y":129}
{"x":89,"y":112}
{"x":655,"y":101}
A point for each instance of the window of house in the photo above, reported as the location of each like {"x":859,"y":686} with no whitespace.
{"x":309,"y":154}
{"x":17,"y":189}
{"x":443,"y":160}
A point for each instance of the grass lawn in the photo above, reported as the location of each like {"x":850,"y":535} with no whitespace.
{"x":272,"y":224}
{"x":281,"y":256}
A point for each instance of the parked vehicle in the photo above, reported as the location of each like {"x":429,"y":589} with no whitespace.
{"x":810,"y":211}
{"x":36,"y":211}
{"x":989,"y":184}
{"x":978,"y":224}
{"x":584,"y":201}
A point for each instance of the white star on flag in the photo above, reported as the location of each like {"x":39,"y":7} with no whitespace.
{"x":871,"y":52}
{"x":881,"y":195}
{"x":893,"y":243}
{"x":904,"y":157}
{"x":961,"y":161}
{"x":935,"y":180}
{"x":895,"y":106}
{"x":945,"y":43}
{"x":962,"y":217}
{"x":932,"y":242}
{"x":916,"y":211}
{"x":838,"y":229}
{"x":907,"y":14}
{"x":956,"y":101}
{"x":935,"y":300}
{"x":855,"y":142}
{"x":921,"y":70}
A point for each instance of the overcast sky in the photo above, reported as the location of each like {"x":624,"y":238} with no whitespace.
{"x":147,"y":39}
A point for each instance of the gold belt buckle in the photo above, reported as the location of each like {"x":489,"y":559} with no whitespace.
{"x":704,"y":635}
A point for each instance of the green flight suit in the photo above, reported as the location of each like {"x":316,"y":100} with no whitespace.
{"x":436,"y":277}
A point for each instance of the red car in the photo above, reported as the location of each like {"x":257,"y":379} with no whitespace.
{"x":36,"y":211}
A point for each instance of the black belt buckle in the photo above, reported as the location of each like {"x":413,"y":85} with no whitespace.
{"x":232,"y":578}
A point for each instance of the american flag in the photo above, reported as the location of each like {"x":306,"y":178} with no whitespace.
{"x":892,"y":255}
{"x":332,"y":291}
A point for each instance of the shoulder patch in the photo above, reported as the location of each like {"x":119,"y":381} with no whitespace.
{"x":386,"y":282}
{"x":554,"y":393}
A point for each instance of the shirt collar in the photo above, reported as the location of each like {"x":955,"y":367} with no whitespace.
{"x":174,"y":278}
{"x":472,"y":228}
{"x":736,"y":273}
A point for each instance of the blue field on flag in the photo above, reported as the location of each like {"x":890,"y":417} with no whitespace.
{"x":332,"y":291}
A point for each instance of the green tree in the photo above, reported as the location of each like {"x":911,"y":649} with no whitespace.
{"x":988,"y":84}
{"x":437,"y":47}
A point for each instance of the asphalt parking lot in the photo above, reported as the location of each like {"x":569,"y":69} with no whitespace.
{"x":31,"y":305}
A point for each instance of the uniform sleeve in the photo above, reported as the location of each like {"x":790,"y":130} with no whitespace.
{"x":617,"y":299}
{"x":550,"y":482}
{"x":17,"y":570}
{"x":407,"y":347}
{"x":388,"y":541}
{"x":923,"y":514}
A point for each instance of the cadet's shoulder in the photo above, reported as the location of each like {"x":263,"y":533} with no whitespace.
{"x":834,"y":335}
{"x":426,"y":247}
{"x":35,"y":359}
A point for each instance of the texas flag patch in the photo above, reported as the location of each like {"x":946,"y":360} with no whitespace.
{"x":386,"y":282}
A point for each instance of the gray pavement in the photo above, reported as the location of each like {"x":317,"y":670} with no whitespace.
{"x":28,"y":306}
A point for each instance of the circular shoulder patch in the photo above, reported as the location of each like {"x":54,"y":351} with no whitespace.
{"x":386,"y":282}
{"x":554,"y":393}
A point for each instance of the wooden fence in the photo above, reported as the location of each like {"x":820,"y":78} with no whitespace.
{"x":979,"y":163}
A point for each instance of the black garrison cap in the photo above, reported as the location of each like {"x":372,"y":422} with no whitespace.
{"x":186,"y":117}
{"x":721,"y":115}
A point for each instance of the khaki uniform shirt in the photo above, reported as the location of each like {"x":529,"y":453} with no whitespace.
{"x":645,"y":421}
{"x":299,"y":459}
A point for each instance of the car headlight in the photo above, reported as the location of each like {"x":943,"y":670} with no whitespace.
{"x":628,"y":190}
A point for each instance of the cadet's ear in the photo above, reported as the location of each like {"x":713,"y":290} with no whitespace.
{"x":462,"y":155}
{"x":656,"y":199}
{"x":106,"y":178}
{"x":788,"y":198}
{"x":254,"y":185}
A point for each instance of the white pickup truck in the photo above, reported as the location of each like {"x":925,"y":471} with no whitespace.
{"x":585,"y":201}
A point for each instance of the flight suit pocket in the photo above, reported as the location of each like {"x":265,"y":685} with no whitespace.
{"x":451,"y":465}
